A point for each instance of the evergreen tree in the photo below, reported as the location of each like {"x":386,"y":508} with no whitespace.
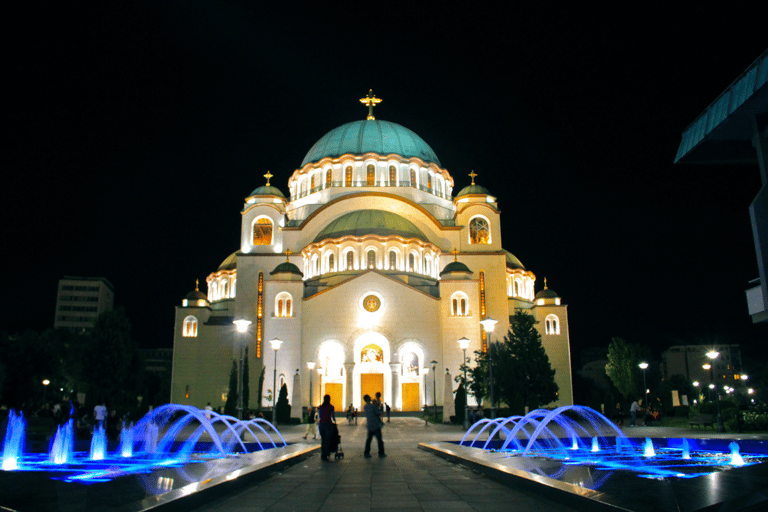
{"x":230,"y":406}
{"x":246,"y":391}
{"x":283,"y":406}
{"x":521,"y":364}
{"x":460,"y":403}
{"x":261,"y":388}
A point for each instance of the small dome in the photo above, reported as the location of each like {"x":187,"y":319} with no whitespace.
{"x":513,"y":262}
{"x":370,"y":136}
{"x":267,"y":190}
{"x":546,"y":293}
{"x":473,"y":189}
{"x":287,"y":267}
{"x":457,"y":267}
{"x":230,"y":263}
{"x":196,"y":295}
{"x":370,"y":222}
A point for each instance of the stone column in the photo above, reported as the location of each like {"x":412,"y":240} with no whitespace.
{"x":349,"y":370}
{"x":449,"y":407}
{"x":397,"y":389}
{"x":296,"y":411}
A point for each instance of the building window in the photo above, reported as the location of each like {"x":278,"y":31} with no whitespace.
{"x":312,"y":183}
{"x":331,"y":263}
{"x":348,"y":177}
{"x":371,"y":259}
{"x":328,"y":177}
{"x":284,"y":305}
{"x":392,"y":175}
{"x":552,"y":324}
{"x":413,"y":178}
{"x":190,"y":327}
{"x":262,"y":231}
{"x":315,"y":265}
{"x":351,"y":260}
{"x":479,"y":231}
{"x":429,"y":182}
{"x":392,"y":260}
{"x":517,"y":288}
{"x":371,"y":175}
{"x":459,"y":304}
{"x":411,"y":263}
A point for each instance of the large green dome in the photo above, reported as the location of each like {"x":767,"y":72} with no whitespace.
{"x":370,"y":222}
{"x":366,"y":136}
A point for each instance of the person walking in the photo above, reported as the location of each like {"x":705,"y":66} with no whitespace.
{"x":311,"y":418}
{"x":389,"y":411}
{"x":327,"y":417}
{"x":374,"y":424}
{"x":99,"y":414}
{"x":633,"y":410}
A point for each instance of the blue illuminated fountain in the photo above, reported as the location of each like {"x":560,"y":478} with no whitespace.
{"x":577,"y":435}
{"x":170,"y":435}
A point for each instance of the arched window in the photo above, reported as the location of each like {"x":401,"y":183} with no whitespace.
{"x":189,"y":330}
{"x":371,"y":256}
{"x":328,"y":178}
{"x":392,"y":175}
{"x":348,"y":177}
{"x":331,"y":263}
{"x":425,"y":265}
{"x":518,"y":288}
{"x":315,"y":265}
{"x":413,"y":178}
{"x":459,"y":304}
{"x":552,"y":324}
{"x":351,"y":260}
{"x":392,"y":260}
{"x":312,"y":182}
{"x":429,"y":182}
{"x":283,"y":305}
{"x":262,"y":231}
{"x":479,"y":231}
{"x":411,"y":263}
{"x":371,"y":175}
{"x":224,"y":288}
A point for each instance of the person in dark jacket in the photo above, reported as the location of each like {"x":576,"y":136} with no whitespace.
{"x":327,"y":417}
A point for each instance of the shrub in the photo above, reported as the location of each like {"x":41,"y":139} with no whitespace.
{"x":283,"y":406}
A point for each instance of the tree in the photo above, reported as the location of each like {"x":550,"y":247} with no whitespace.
{"x":261,"y":389}
{"x":246,"y":391}
{"x":283,"y":406}
{"x":521,"y":364}
{"x":623,"y":369}
{"x":460,"y":403}
{"x":230,"y":406}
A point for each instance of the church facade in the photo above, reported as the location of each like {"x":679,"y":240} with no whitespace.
{"x":372,"y":269}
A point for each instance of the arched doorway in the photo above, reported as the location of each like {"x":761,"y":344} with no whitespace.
{"x":372,"y":371}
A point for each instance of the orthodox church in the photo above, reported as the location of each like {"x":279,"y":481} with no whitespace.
{"x":369,"y":273}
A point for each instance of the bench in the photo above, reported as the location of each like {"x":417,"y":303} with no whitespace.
{"x":702,"y":419}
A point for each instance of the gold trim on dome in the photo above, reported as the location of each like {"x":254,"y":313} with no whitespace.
{"x":371,"y":303}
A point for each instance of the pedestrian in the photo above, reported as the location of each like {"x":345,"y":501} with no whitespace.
{"x":326,"y":419}
{"x":99,"y":414}
{"x":633,"y":410}
{"x":377,"y":402}
{"x":374,"y":424}
{"x":389,"y":411}
{"x":208,"y":411}
{"x":311,"y":417}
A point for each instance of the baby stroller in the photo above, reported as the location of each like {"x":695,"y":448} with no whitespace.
{"x":336,"y":443}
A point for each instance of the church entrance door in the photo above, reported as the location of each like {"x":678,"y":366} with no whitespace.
{"x":335,"y":390}
{"x":411,"y":396}
{"x":370,"y":383}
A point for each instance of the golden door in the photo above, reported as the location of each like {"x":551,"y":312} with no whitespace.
{"x":370,"y":383}
{"x":411,"y":396}
{"x":335,"y":389}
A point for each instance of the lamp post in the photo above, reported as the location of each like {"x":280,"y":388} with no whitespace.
{"x":644,"y":366}
{"x":488,"y":324}
{"x":275,"y":346}
{"x":310,"y":367}
{"x":712,"y":355}
{"x":434,"y":389}
{"x":45,"y":388}
{"x":242,"y":328}
{"x":464,"y":343}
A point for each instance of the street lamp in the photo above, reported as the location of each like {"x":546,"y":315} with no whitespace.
{"x":644,"y":367}
{"x":488,"y":324}
{"x":712,"y":355}
{"x":45,"y":388}
{"x":242,"y":328}
{"x":434,"y":389}
{"x":464,"y":344}
{"x":275,"y":346}
{"x":310,"y":366}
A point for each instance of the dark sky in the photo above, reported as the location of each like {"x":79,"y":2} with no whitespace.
{"x":138,"y":128}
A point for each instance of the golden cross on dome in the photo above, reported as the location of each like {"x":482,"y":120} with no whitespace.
{"x":371,"y":101}
{"x":287,"y":254}
{"x":455,"y":254}
{"x":269,"y":176}
{"x":472,"y":174}
{"x":545,"y":283}
{"x":197,"y":285}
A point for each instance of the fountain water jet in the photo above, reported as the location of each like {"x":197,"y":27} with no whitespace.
{"x":736,"y":458}
{"x":686,"y":449}
{"x":13,"y":446}
{"x":648,"y":451}
{"x":98,"y":444}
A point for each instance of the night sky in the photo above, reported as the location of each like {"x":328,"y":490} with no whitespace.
{"x":138,"y":128}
